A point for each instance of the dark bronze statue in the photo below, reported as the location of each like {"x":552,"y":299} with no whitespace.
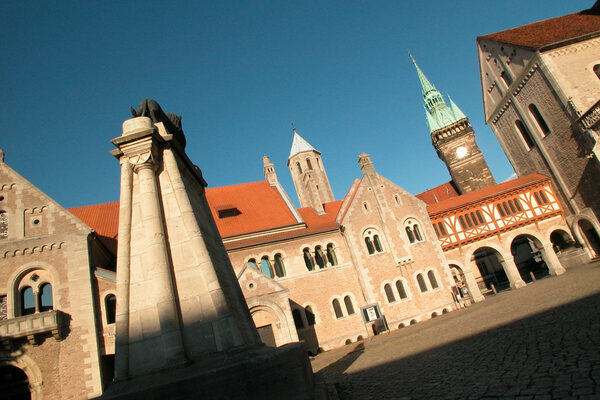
{"x":151,"y":109}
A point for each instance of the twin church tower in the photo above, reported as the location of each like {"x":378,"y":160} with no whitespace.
{"x":451,"y":135}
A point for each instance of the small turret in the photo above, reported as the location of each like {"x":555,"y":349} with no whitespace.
{"x":269,"y":171}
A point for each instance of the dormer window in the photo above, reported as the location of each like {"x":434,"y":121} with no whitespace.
{"x":228,"y":212}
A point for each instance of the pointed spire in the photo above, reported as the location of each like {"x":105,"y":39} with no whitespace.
{"x":458,"y":114}
{"x":426,"y":86}
{"x":299,"y":145}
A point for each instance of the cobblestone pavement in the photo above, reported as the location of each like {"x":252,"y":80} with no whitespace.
{"x":538,"y":342}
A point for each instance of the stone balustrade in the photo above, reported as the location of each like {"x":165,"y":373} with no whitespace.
{"x":31,"y":326}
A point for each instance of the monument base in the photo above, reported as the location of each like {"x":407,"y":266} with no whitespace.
{"x":260,"y":373}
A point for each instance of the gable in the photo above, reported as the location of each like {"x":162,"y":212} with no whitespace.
{"x":254,"y":283}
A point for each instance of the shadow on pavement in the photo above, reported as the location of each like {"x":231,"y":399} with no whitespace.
{"x":555,"y":353}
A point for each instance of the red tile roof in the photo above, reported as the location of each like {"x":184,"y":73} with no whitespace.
{"x":485,"y":192}
{"x":553,"y":30}
{"x":261,"y":207}
{"x":439,"y":193}
{"x":103,"y":219}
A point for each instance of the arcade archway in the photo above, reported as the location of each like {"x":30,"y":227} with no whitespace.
{"x":590,"y":235}
{"x":529,"y":259}
{"x":14,"y":384}
{"x":561,"y":241}
{"x":491,"y":268}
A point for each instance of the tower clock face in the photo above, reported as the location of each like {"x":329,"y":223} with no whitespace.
{"x":461,"y":152}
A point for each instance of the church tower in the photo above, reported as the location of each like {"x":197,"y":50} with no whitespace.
{"x":454,"y":140}
{"x":308,"y":174}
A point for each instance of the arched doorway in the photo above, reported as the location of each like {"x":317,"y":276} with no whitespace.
{"x":14,"y":384}
{"x":267,"y":324}
{"x":561,"y":241}
{"x":590,"y":235}
{"x":462,"y":291}
{"x":491,"y":269}
{"x":527,"y":252}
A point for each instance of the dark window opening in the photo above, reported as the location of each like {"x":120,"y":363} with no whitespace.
{"x":27,"y":301}
{"x":331,"y":256}
{"x":308,"y":259}
{"x":337,"y":308}
{"x":525,"y":134}
{"x":110,"y":304}
{"x":544,"y":198}
{"x":297,"y":319}
{"x":539,"y":119}
{"x":462,"y":222}
{"x":310,"y":316}
{"x":45,"y":297}
{"x":389,"y":293}
{"x":480,"y":217}
{"x":432,"y":279}
{"x":401,"y":290}
{"x":421,"y":282}
{"x":229,"y":212}
{"x":349,"y":305}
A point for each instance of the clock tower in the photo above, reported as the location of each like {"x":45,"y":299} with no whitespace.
{"x":454,"y":140}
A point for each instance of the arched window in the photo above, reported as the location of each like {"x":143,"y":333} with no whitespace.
{"x":252,"y":262}
{"x":337,"y":309}
{"x":389,"y":293}
{"x":597,"y":70}
{"x":518,"y":205}
{"x":310,"y":315}
{"x":349,"y":305}
{"x":525,"y":134}
{"x":409,"y":233}
{"x":499,"y":207}
{"x":309,"y":164}
{"x":512,"y":206}
{"x":331,"y":257}
{"x":479,"y":217}
{"x":539,"y":119}
{"x":297,"y":319}
{"x":377,"y":244}
{"x":468,"y":219}
{"x":369,"y":244}
{"x":543,"y":197}
{"x":413,"y":231}
{"x":461,"y":219}
{"x":27,"y":301}
{"x":432,"y":280}
{"x":3,"y":224}
{"x":401,"y":290}
{"x":421,"y":282}
{"x":537,"y":198}
{"x":437,"y":233}
{"x":299,"y":167}
{"x":110,"y":305}
{"x":45,"y":297}
{"x":308,"y":259}
{"x":279,"y":266}
{"x":442,"y":229}
{"x":265,"y":267}
{"x":320,"y":257}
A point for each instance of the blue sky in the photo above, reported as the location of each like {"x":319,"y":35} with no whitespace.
{"x":239,"y":72}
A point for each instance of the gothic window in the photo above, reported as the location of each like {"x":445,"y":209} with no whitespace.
{"x":279,"y":266}
{"x":308,"y":259}
{"x":320,"y":257}
{"x":3,"y":224}
{"x":413,"y":231}
{"x":539,"y":119}
{"x":45,"y":297}
{"x":525,"y":134}
{"x":310,"y":315}
{"x":373,"y":242}
{"x":337,"y":309}
{"x":331,"y":257}
{"x":401,"y":290}
{"x":349,"y":305}
{"x":265,"y":266}
{"x":409,"y":233}
{"x":421,"y":282}
{"x":252,"y":262}
{"x":432,"y":280}
{"x":299,"y":167}
{"x":597,"y":70}
{"x":110,"y":305}
{"x":27,"y":301}
{"x":297,"y":319}
{"x":389,"y":293}
{"x":309,"y":164}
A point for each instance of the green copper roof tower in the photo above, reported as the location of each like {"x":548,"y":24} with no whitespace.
{"x":454,"y":139}
{"x":437,"y":112}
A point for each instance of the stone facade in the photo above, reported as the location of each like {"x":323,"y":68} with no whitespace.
{"x":541,"y":89}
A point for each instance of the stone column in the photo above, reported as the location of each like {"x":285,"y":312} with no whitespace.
{"x":512,"y":272}
{"x":123,"y":251}
{"x":473,"y":287}
{"x":552,"y":261}
{"x":160,"y":267}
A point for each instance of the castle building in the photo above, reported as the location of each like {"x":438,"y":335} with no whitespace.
{"x":331,"y":272}
{"x":541,"y":96}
